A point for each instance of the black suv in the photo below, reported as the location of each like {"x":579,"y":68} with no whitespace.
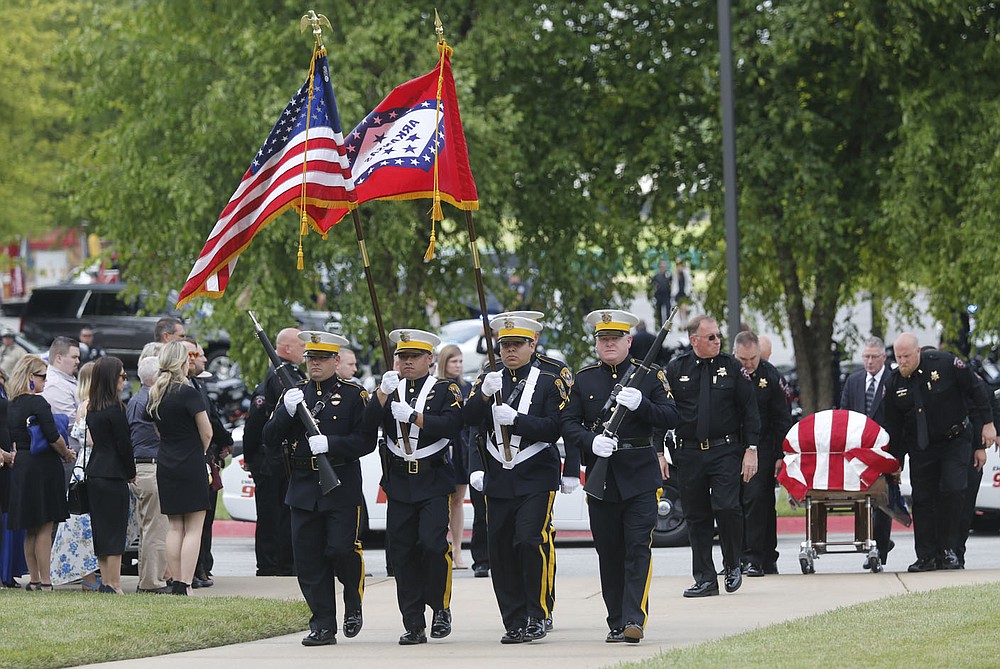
{"x":52,"y":311}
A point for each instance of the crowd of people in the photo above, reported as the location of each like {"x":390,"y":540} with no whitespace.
{"x":147,"y":469}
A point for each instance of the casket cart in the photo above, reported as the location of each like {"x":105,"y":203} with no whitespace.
{"x":833,"y":465}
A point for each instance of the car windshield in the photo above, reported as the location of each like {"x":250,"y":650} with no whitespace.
{"x":460,"y":331}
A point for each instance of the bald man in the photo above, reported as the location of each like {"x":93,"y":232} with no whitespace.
{"x":273,"y":538}
{"x":930,"y":398}
{"x":765,"y":347}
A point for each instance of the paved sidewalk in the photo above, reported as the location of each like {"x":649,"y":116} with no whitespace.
{"x":578,"y":639}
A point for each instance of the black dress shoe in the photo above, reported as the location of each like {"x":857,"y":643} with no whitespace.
{"x":929,"y":564}
{"x":632,"y":633}
{"x":535,"y":629}
{"x":548,"y":624}
{"x":320,"y":638}
{"x":753,"y":570}
{"x":480,"y":570}
{"x":178,"y":588}
{"x":413,"y":637}
{"x":514,"y":635}
{"x":703,"y":589}
{"x":950,"y":561}
{"x":733,"y":580}
{"x":441,"y":624}
{"x":771,"y":568}
{"x":352,"y":623}
{"x":615,"y":636}
{"x":202,"y":582}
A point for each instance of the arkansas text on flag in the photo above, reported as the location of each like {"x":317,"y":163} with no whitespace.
{"x":307,"y":133}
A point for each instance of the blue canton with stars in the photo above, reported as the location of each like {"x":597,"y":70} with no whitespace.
{"x":292,"y":121}
{"x":395,"y":137}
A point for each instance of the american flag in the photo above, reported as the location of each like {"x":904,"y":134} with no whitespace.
{"x":835,"y":449}
{"x":273,"y":182}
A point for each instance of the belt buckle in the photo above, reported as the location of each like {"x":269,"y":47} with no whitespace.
{"x":412,"y":466}
{"x":315,"y":463}
{"x":703,"y":445}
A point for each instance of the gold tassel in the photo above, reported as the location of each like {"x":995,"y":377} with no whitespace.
{"x":300,"y":265}
{"x":429,"y":255}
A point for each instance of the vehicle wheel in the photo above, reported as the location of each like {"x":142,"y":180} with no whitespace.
{"x":671,"y":527}
{"x":986,"y":524}
{"x":221,"y":365}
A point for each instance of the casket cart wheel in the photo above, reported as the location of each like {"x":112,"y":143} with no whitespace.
{"x":807,"y":560}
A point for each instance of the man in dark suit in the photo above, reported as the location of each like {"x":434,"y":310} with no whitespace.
{"x":863,"y":393}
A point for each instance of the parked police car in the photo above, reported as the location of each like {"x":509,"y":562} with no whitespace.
{"x":569,"y":512}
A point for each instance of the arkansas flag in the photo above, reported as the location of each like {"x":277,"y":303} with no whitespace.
{"x":393,"y":151}
{"x":302,"y":164}
{"x":835,"y":449}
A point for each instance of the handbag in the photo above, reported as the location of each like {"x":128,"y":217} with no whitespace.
{"x":77,"y":496}
{"x":39,"y":443}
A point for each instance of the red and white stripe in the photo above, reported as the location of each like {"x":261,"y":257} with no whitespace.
{"x":835,"y":449}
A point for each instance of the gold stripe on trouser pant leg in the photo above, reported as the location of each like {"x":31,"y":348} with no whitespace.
{"x":361,"y":556}
{"x":548,"y":560}
{"x":649,"y":573}
{"x":451,"y":565}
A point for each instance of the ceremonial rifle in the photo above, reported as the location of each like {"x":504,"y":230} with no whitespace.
{"x":597,"y":475}
{"x":328,"y":479}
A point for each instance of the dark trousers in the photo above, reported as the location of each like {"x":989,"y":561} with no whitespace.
{"x":661,"y":309}
{"x":550,"y":576}
{"x":326,"y":547}
{"x":710,"y":487}
{"x":205,"y":559}
{"x":881,"y":532}
{"x":968,"y":510}
{"x":421,"y":556}
{"x":760,"y":522}
{"x":939,"y":476}
{"x":478,"y":544}
{"x":623,"y":534}
{"x":273,"y":536}
{"x":519,"y":560}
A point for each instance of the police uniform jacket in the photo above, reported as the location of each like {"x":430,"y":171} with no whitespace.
{"x":541,"y":472}
{"x":433,"y":475}
{"x":733,"y":407}
{"x":633,"y":470}
{"x":261,"y":459}
{"x":772,"y":405}
{"x":341,"y":418}
{"x":546,"y":364}
{"x":950,"y":393}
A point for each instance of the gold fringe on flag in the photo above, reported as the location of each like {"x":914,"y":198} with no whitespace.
{"x":437,"y":214}
{"x":318,"y":50}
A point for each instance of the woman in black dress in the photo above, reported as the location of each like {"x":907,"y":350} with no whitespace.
{"x":450,"y":367}
{"x":110,"y":469}
{"x":180,"y":414}
{"x":38,"y":484}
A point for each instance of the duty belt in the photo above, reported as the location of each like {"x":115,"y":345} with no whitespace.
{"x":954,"y":431}
{"x":633,"y":443}
{"x":418,"y":466}
{"x":711,"y":442}
{"x":313,"y":464}
{"x":145,"y":461}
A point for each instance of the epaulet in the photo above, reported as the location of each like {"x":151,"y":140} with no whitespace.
{"x":588,"y":368}
{"x":638,"y":363}
{"x":443,"y":380}
{"x":542,"y":372}
{"x":350,"y":383}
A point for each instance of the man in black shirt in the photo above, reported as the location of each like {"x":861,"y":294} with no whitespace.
{"x":717,"y":437}
{"x":760,"y":538}
{"x":622,"y":521}
{"x":420,"y":415}
{"x":929,"y":400}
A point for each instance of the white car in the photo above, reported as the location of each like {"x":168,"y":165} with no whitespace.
{"x":466,"y":334}
{"x":569,"y":512}
{"x":987,"y":518}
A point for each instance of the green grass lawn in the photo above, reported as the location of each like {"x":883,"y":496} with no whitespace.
{"x":952,"y":627}
{"x":62,"y":629}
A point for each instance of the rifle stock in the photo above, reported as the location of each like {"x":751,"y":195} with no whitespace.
{"x":328,"y":479}
{"x":597,"y":475}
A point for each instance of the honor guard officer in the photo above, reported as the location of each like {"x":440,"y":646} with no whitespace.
{"x":760,"y":537}
{"x":556,"y":368}
{"x":622,"y":522}
{"x":267,"y":464}
{"x":517,"y":467}
{"x":418,"y":480}
{"x":716,"y":442}
{"x":325,"y":527}
{"x":928,"y":400}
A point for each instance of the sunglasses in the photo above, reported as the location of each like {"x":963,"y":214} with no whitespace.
{"x":193,"y":355}
{"x":123,"y":376}
{"x":711,"y":337}
{"x":38,"y":375}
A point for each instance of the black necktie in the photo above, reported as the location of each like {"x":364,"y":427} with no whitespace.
{"x":704,"y":402}
{"x":870,"y":396}
{"x":918,"y":403}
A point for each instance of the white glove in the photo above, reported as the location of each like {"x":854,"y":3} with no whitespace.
{"x":569,"y":484}
{"x":292,"y":399}
{"x":492,"y":383}
{"x":504,"y":414}
{"x":630,"y":398}
{"x":390,"y":381}
{"x":604,"y":446}
{"x":476,"y":480}
{"x":401,"y":411}
{"x":319,"y":444}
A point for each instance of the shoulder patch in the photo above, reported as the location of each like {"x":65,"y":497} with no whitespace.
{"x":364,"y":396}
{"x":662,"y":376}
{"x":258,"y":401}
{"x":563,"y":391}
{"x":456,"y":391}
{"x":745,"y":373}
{"x":566,"y":376}
{"x":958,"y":362}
